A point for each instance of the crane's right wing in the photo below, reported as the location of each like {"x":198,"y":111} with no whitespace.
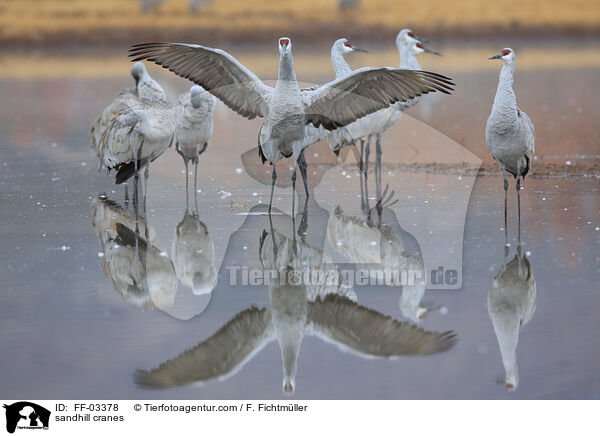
{"x":369,"y":333}
{"x":367,"y":90}
{"x":215,"y":70}
{"x":220,"y":356}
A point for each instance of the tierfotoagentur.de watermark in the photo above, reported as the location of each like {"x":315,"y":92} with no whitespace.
{"x":334,"y":276}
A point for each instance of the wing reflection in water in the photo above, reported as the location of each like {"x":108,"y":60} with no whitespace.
{"x":512,"y":300}
{"x":381,"y":247}
{"x":137,"y":266}
{"x":296,"y":309}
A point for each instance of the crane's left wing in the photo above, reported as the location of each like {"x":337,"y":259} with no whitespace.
{"x":367,"y":90}
{"x":530,"y":132}
{"x":220,"y":356}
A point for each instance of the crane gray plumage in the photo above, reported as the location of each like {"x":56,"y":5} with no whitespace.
{"x":509,"y":132}
{"x":134,"y":263}
{"x":194,"y":119}
{"x":135,"y":129}
{"x":409,"y":46}
{"x":292,"y":314}
{"x":511,"y":303}
{"x":294,"y":118}
{"x":144,"y":86}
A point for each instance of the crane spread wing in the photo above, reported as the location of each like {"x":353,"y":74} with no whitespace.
{"x":215,"y":70}
{"x":219,"y":356}
{"x":370,"y":333}
{"x":367,"y":90}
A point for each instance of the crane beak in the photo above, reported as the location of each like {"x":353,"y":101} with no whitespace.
{"x":421,"y":39}
{"x":362,"y":50}
{"x":498,"y":56}
{"x":426,"y":50}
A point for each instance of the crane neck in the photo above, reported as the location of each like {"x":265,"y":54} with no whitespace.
{"x":286,"y":70}
{"x":408,"y":59}
{"x":506,"y":327}
{"x":341,"y":67}
{"x":410,"y":301}
{"x":289,"y":343}
{"x":505,"y":102}
{"x":149,"y":89}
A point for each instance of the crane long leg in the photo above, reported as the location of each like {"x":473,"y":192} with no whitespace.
{"x":362,"y":153}
{"x":302,"y":228}
{"x":294,"y":191}
{"x":137,"y":212}
{"x":185,"y":161}
{"x":126,"y":193}
{"x":294,"y":206}
{"x":505,"y":200}
{"x":366,"y":168}
{"x":519,"y":207}
{"x":135,"y":194}
{"x":360,"y":171}
{"x":273,"y":178}
{"x":275,"y":249}
{"x":378,"y":166}
{"x":146,"y":177}
{"x":294,"y":240}
{"x":303,"y":166}
{"x":196,"y":183}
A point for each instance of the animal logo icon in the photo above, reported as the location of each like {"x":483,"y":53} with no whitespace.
{"x":27,"y":415}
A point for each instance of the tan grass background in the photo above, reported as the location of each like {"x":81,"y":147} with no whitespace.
{"x":98,"y":20}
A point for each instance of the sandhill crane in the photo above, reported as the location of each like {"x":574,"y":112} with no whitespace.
{"x":509,"y":132}
{"x":193,"y":114}
{"x":294,"y":312}
{"x":511,"y":304}
{"x":135,"y":264}
{"x":193,"y":254}
{"x":294,"y":118}
{"x":135,"y":129}
{"x":409,"y":46}
{"x":145,"y":87}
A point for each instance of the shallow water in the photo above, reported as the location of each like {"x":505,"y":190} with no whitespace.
{"x":68,"y":332}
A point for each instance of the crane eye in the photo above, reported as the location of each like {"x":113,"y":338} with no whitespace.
{"x":505,"y":52}
{"x":347,"y":44}
{"x":419,"y":45}
{"x":412,"y":35}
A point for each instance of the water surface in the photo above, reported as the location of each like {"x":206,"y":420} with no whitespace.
{"x":67,"y":332}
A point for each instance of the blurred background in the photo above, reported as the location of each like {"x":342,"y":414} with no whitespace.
{"x":79,"y":22}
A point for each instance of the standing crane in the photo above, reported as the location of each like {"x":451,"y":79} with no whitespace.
{"x":509,"y":132}
{"x":194,"y":115}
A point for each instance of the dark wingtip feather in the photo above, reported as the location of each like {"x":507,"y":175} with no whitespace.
{"x":127,"y":169}
{"x":147,"y":380}
{"x":124,"y":172}
{"x":445,"y":342}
